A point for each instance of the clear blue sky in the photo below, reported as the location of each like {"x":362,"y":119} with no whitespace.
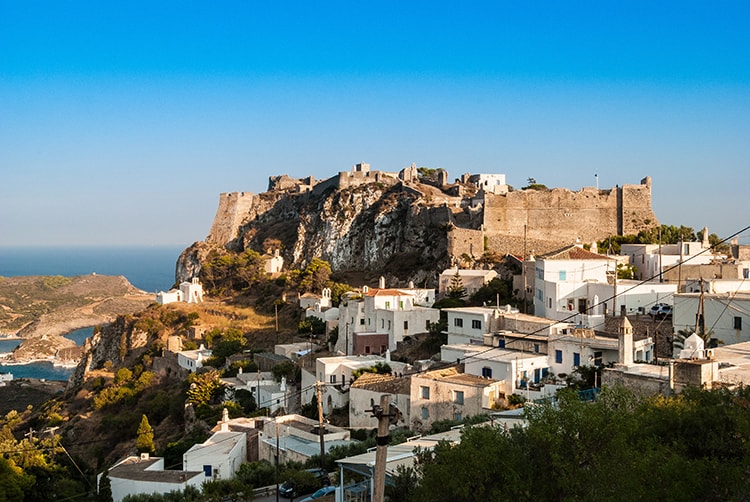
{"x":121,"y":122}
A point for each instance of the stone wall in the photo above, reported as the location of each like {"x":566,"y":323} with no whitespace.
{"x":233,"y":209}
{"x":563,"y":216}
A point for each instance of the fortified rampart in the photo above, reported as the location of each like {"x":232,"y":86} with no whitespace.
{"x":233,"y":210}
{"x":564,"y":216}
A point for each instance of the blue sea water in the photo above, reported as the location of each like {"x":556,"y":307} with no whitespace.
{"x":151,"y":269}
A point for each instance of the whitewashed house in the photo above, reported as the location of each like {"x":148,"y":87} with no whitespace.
{"x":296,"y":438}
{"x":146,"y":475}
{"x":493,"y":183}
{"x":472,"y":280}
{"x":220,"y":456}
{"x":470,"y":324}
{"x":171,"y":296}
{"x":394,"y":312}
{"x":337,"y":375}
{"x":573,"y":284}
{"x":267,"y":392}
{"x":191,"y":360}
{"x":725,"y":314}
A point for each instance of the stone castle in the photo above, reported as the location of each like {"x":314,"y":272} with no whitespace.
{"x":483,"y":213}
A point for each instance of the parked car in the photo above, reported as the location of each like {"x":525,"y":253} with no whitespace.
{"x":307,"y":482}
{"x":320,"y":493}
{"x":660,"y":310}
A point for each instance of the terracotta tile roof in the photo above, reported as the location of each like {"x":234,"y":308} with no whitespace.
{"x":574,"y":252}
{"x":388,"y":292}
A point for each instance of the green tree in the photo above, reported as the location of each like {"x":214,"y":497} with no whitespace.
{"x":104,"y":490}
{"x":205,"y":388}
{"x":144,"y":443}
{"x":456,"y":289}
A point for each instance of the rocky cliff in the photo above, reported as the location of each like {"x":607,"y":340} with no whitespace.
{"x":408,"y":228}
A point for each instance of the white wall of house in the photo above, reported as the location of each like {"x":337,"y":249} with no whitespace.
{"x":224,"y":452}
{"x":567,"y":287}
{"x":123,"y":486}
{"x":470,"y":324}
{"x":639,"y":297}
{"x":650,"y":260}
{"x":191,"y":360}
{"x":171,"y":296}
{"x":514,"y":368}
{"x":336,"y":373}
{"x":566,"y":353}
{"x":726,"y":314}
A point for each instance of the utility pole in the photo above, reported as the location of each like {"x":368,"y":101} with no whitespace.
{"x":277,"y":459}
{"x":381,"y":452}
{"x":321,"y":429}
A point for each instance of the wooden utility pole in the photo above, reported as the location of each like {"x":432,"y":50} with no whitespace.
{"x":381,"y":453}
{"x":321,"y":428}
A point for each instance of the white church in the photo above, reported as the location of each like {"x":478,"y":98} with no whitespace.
{"x":189,"y":292}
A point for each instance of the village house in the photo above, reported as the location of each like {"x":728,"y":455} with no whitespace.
{"x":447,"y":394}
{"x":274,"y":263}
{"x":296,"y":438}
{"x":470,"y":324}
{"x":337,"y":373}
{"x":471,"y":280}
{"x":218,"y":457}
{"x":393,"y":312}
{"x":725,"y":312}
{"x":192,"y":360}
{"x":267,"y":392}
{"x":366,"y":391}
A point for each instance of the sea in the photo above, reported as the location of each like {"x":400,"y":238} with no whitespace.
{"x":151,"y":269}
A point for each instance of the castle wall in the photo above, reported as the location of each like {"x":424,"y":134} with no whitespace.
{"x":465,"y":241}
{"x":562,"y":215}
{"x":233,"y":208}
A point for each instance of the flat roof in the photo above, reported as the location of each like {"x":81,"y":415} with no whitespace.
{"x":134,"y":468}
{"x":220,"y":443}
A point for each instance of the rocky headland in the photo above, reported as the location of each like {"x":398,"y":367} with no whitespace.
{"x":41,"y":309}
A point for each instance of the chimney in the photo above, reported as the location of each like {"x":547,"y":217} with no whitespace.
{"x":625,"y":345}
{"x":381,"y":282}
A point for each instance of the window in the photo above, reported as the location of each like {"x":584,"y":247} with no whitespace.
{"x":737,"y":322}
{"x":576,"y":359}
{"x":387,"y":305}
{"x":539,"y":273}
{"x":333,"y":378}
{"x":558,"y":356}
{"x":487,"y":372}
{"x":539,"y":294}
{"x":476,"y":324}
{"x":362,"y":321}
{"x":501,"y":343}
{"x":597,"y":358}
{"x":562,"y":275}
{"x":458,"y":322}
{"x":425,"y":413}
{"x":382,"y":323}
{"x":457,"y":417}
{"x":549,"y":303}
{"x":536,"y":348}
{"x":389,"y":325}
{"x":401,"y":304}
{"x":406,"y":325}
{"x":425,"y":392}
{"x":458,"y":396}
{"x":367,"y":349}
{"x":427,"y":325}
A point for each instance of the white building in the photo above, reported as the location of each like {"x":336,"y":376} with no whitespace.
{"x":143,"y":474}
{"x":267,"y":392}
{"x":493,"y":183}
{"x":394,"y":312}
{"x":337,"y":375}
{"x":573,"y":281}
{"x":470,"y":324}
{"x":274,"y":264}
{"x":296,"y":438}
{"x":219,"y":456}
{"x":192,"y":292}
{"x":472,"y":280}
{"x":189,"y":292}
{"x":584,"y":348}
{"x":191,"y":360}
{"x":725,"y":314}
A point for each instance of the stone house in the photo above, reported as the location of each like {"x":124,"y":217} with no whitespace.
{"x":447,"y":394}
{"x":367,"y":390}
